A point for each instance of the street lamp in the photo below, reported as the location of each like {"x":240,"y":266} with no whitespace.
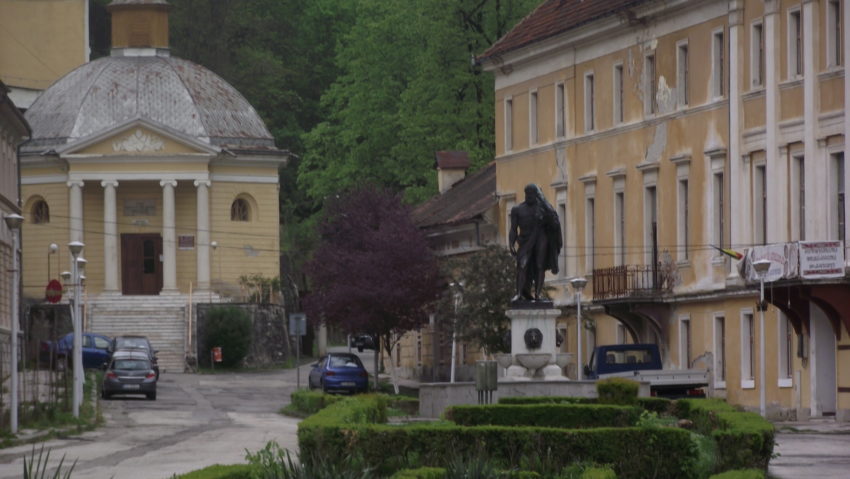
{"x":761,"y":267}
{"x":578,"y":285}
{"x":76,"y":247}
{"x":52,"y":249}
{"x":13,"y":222}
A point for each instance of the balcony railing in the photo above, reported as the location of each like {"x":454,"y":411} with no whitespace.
{"x":630,"y":281}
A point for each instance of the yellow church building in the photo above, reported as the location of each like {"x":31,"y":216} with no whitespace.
{"x":163,"y":170}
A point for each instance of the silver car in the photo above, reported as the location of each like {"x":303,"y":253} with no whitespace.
{"x":129,"y":372}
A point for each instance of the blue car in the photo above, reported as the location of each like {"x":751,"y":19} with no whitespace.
{"x":97,"y":350}
{"x":339,"y":372}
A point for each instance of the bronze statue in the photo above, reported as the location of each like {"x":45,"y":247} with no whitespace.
{"x":536,"y":228}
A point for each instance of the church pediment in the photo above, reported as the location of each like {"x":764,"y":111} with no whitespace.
{"x":139,"y":137}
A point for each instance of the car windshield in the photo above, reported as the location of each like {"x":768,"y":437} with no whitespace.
{"x":628,"y":356}
{"x":131,"y":364}
{"x":125,"y":343}
{"x":345,"y":362}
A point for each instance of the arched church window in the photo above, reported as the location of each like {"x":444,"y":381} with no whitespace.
{"x":40,"y":212}
{"x":240,"y":210}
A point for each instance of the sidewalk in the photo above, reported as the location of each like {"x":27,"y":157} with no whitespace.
{"x":807,"y":449}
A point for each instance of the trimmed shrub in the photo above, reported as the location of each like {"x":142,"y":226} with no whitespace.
{"x":233,"y":471}
{"x":420,"y":473}
{"x":744,"y":440}
{"x":568,"y":416}
{"x":740,"y":474}
{"x":547,"y":400}
{"x":230,"y":328}
{"x":617,"y":391}
{"x":655,"y":404}
{"x":598,"y":473}
{"x":409,"y":406}
{"x":311,"y":402}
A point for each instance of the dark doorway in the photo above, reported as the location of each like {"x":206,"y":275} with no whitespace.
{"x":141,"y":269}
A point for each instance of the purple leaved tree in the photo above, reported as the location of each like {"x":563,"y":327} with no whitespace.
{"x":372,"y":271}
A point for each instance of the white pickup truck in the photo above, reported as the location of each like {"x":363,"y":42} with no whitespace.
{"x":642,"y":362}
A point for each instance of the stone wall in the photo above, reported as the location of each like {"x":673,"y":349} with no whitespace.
{"x":270,"y":345}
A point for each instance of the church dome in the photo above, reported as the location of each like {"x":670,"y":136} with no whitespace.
{"x":168,"y":91}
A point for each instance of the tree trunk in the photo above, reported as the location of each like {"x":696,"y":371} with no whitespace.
{"x":377,"y":355}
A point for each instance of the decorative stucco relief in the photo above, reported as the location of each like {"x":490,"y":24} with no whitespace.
{"x":138,"y":141}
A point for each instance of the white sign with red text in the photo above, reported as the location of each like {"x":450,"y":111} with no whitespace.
{"x":821,"y":259}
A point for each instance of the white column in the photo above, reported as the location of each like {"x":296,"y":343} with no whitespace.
{"x":817,"y":170}
{"x":169,"y":239}
{"x":777,"y":187}
{"x":737,"y":186}
{"x":202,"y":245}
{"x":76,"y":210}
{"x":110,"y":237}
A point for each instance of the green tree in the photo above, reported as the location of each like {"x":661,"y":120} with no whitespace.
{"x":480,"y":288}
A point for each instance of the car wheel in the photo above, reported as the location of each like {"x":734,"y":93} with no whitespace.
{"x":324,"y":389}
{"x":152,"y":396}
{"x":104,"y":395}
{"x":359,"y":349}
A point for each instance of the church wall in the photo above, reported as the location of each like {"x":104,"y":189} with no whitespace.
{"x":37,"y":238}
{"x":93,"y":234}
{"x":244,"y":248}
{"x":186,"y":210}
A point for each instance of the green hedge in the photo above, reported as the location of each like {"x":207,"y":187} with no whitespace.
{"x":420,"y":473}
{"x":744,"y":440}
{"x":347,"y":427}
{"x":617,"y":390}
{"x":567,"y":416}
{"x":311,"y":402}
{"x":740,"y":474}
{"x":234,"y":471}
{"x":654,"y":404}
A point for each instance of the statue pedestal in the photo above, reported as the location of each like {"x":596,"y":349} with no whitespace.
{"x":532,"y":362}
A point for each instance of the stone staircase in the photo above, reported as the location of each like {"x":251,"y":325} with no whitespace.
{"x":162,"y":319}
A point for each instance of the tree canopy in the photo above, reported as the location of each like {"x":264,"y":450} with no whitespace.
{"x":372,"y":271}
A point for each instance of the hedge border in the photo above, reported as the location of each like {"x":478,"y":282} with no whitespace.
{"x":566,"y":416}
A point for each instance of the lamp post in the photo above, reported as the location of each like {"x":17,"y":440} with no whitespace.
{"x":578,"y":285}
{"x":761,"y":267}
{"x":13,"y":221}
{"x":76,"y":247}
{"x":52,"y":249}
{"x":457,"y":295}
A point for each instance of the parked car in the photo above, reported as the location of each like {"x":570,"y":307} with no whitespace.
{"x":137,"y":343}
{"x":363,"y":341}
{"x":642,"y":362}
{"x":129,"y":372}
{"x":97,"y":349}
{"x":339,"y":372}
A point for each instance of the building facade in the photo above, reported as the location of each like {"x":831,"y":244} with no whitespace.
{"x":166,"y":174}
{"x":661,"y":130}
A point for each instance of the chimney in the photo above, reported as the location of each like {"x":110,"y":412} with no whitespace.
{"x":139,"y":27}
{"x":451,"y":168}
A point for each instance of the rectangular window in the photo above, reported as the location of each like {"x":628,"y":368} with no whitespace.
{"x":589,"y":234}
{"x":618,"y":93}
{"x":619,"y":228}
{"x":786,"y":351}
{"x":833,"y":33}
{"x":509,"y":123}
{"x":719,"y":217}
{"x":838,"y":223}
{"x":560,"y":111}
{"x":650,"y":87}
{"x":683,"y":234}
{"x":651,"y":226}
{"x":719,"y":351}
{"x":589,"y":114}
{"x":508,"y":207}
{"x":760,"y":202}
{"x":747,"y":350}
{"x":798,"y":197}
{"x":718,"y":46}
{"x":757,"y":64}
{"x":682,"y":73}
{"x":685,"y":343}
{"x":795,"y":44}
{"x":532,"y":118}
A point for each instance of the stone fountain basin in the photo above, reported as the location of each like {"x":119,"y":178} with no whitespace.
{"x":532,"y":361}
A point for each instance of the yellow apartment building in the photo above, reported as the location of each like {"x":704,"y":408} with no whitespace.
{"x":663,"y":129}
{"x":165,"y":173}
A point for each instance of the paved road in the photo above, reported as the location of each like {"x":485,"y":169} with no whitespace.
{"x":196,"y":421}
{"x":817,"y":448}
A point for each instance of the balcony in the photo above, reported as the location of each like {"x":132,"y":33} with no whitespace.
{"x":632,"y":281}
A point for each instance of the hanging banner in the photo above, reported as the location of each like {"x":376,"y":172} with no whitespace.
{"x":821,"y":259}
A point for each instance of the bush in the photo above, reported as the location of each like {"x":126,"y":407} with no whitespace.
{"x":230,"y":328}
{"x":744,"y":440}
{"x":420,"y":473}
{"x":310,"y":402}
{"x":273,"y":462}
{"x":740,"y":474}
{"x":654,"y":404}
{"x":617,"y":391}
{"x":568,"y":416}
{"x":233,"y":471}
